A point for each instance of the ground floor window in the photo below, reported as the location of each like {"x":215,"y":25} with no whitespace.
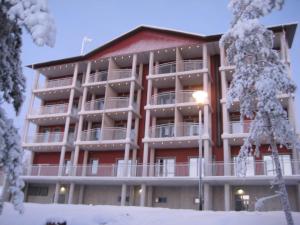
{"x":37,"y":190}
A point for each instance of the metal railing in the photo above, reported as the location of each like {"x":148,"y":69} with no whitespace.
{"x":106,"y":133}
{"x":49,"y":137}
{"x":191,"y":170}
{"x":185,"y":96}
{"x":189,"y":65}
{"x":59,"y":82}
{"x":237,"y":127}
{"x":163,"y":98}
{"x":98,"y":77}
{"x":50,"y":109}
{"x":118,"y":102}
{"x":162,"y":131}
{"x":187,"y":129}
{"x":97,"y":104}
{"x":117,"y":74}
{"x":91,"y":135}
{"x":163,"y":68}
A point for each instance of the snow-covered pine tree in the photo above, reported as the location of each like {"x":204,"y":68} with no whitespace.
{"x":34,"y":16}
{"x":259,"y":77}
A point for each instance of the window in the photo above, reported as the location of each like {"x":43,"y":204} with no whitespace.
{"x":194,"y":167}
{"x":249,"y":166}
{"x":94,"y":167}
{"x":165,"y":167}
{"x":166,"y":130}
{"x":285,"y":164}
{"x":38,"y":190}
{"x":67,"y":166}
{"x":121,"y":168}
{"x":161,"y":200}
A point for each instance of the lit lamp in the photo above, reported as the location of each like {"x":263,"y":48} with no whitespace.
{"x":201,"y":98}
{"x":62,"y":190}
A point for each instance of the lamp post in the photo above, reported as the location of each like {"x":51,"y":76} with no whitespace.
{"x":201,"y":98}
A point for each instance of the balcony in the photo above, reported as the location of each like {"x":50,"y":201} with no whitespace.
{"x":52,"y":114}
{"x":190,"y":65}
{"x":163,"y":98}
{"x":98,"y":77}
{"x":57,"y":89}
{"x":47,"y":141}
{"x":107,"y":138}
{"x":185,"y":172}
{"x":238,"y":127}
{"x":118,"y":74}
{"x":94,"y":105}
{"x":165,"y":68}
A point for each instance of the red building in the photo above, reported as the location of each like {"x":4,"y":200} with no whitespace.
{"x":119,"y":126}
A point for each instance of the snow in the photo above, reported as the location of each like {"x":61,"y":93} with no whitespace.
{"x":38,"y":214}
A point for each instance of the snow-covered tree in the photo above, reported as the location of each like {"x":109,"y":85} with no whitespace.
{"x":259,"y":77}
{"x":34,"y":16}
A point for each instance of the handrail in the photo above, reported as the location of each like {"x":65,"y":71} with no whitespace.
{"x":50,"y":109}
{"x":162,"y":98}
{"x":256,"y":169}
{"x":97,"y":104}
{"x":59,"y":82}
{"x":100,"y":76}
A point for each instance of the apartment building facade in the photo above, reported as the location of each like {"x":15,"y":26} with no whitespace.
{"x":119,"y":126}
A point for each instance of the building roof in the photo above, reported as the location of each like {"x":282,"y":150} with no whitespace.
{"x":290,"y":30}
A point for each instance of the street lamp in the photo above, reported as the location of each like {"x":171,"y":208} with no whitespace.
{"x":201,"y":98}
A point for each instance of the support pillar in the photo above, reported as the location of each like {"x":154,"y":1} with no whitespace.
{"x":71,"y":193}
{"x":227,"y":197}
{"x":143,"y":195}
{"x":207,"y":197}
{"x":123,"y":194}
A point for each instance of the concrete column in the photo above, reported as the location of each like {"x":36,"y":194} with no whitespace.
{"x":152,"y":162}
{"x":81,"y":194}
{"x":227,"y":197}
{"x":150,"y":196}
{"x":84,"y":164}
{"x":207,"y":197}
{"x":31,"y":103}
{"x":298,"y":196}
{"x":227,"y":158}
{"x":224,"y":85}
{"x":283,"y":47}
{"x":56,"y":193}
{"x":123,"y":194}
{"x":71,"y":193}
{"x":205,"y":56}
{"x":151,"y":61}
{"x":222,"y":56}
{"x":207,"y":157}
{"x":143,"y":195}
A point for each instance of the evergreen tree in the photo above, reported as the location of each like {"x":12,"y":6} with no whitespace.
{"x":259,"y":77}
{"x":33,"y":15}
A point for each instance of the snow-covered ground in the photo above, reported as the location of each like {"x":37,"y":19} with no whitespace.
{"x":38,"y":214}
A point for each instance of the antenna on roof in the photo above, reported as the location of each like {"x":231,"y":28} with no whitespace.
{"x":84,"y":41}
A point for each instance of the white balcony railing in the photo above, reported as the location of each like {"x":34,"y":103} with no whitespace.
{"x":189,"y":170}
{"x":118,"y":102}
{"x":163,"y":98}
{"x":163,"y":68}
{"x":162,"y":131}
{"x":187,"y":129}
{"x":49,"y":137}
{"x":189,"y":65}
{"x":60,"y":82}
{"x":184,"y":129}
{"x":107,"y":133}
{"x":117,"y":74}
{"x":97,"y":104}
{"x":98,"y":77}
{"x":50,"y":109}
{"x":185,"y":96}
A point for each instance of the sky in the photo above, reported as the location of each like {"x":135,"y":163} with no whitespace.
{"x":103,"y":20}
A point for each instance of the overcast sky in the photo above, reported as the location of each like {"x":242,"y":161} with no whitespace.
{"x":103,"y":20}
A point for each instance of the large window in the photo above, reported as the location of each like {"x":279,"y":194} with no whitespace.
{"x":165,"y":168}
{"x":194,"y":167}
{"x":121,"y":168}
{"x":285,"y":164}
{"x":37,"y":190}
{"x":249,"y":166}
